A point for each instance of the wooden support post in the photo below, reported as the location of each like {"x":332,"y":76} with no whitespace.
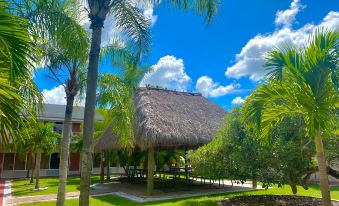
{"x":186,"y":165}
{"x":108,"y":165}
{"x":150,"y":171}
{"x":102,"y":165}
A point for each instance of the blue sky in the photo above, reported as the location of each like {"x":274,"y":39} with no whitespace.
{"x":222,"y":60}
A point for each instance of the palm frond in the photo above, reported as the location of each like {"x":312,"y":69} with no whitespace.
{"x":209,"y":8}
{"x":131,"y":20}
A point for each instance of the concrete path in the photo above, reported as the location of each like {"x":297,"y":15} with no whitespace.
{"x":74,"y":195}
{"x":97,"y":192}
{"x":2,"y":188}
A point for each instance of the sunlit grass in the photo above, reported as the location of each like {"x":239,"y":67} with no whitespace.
{"x":20,"y":187}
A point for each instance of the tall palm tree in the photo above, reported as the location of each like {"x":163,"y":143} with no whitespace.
{"x":41,"y":138}
{"x":65,"y":47}
{"x":66,"y":66}
{"x":130,"y":20}
{"x":18,"y":54}
{"x":302,"y":82}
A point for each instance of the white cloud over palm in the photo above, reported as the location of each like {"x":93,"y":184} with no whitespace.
{"x":250,"y":60}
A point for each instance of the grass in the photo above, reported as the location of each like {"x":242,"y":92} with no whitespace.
{"x":210,"y":200}
{"x":20,"y":187}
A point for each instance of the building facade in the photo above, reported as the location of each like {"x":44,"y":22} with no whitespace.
{"x":14,"y":165}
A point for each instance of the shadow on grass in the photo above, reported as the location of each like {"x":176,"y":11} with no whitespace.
{"x":115,"y":200}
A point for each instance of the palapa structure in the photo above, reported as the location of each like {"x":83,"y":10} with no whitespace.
{"x":167,"y":119}
{"x":108,"y":141}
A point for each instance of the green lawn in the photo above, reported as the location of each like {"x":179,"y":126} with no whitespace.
{"x":20,"y":187}
{"x":196,"y":201}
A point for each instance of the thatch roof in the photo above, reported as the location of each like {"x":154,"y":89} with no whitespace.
{"x":167,"y":118}
{"x":107,"y":141}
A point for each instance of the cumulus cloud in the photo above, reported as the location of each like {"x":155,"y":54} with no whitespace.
{"x":55,"y":96}
{"x":287,"y":17}
{"x":208,"y":88}
{"x":250,"y":60}
{"x":238,"y":101}
{"x":168,"y":72}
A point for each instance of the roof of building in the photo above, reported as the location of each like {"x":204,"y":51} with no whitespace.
{"x":166,"y":118}
{"x":54,"y":112}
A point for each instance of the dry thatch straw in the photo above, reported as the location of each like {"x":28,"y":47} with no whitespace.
{"x":167,"y":118}
{"x":107,"y":141}
{"x":175,"y":119}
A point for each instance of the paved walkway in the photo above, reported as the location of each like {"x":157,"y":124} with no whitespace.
{"x":38,"y":198}
{"x":75,"y":195}
{"x":101,"y":190}
{"x":2,"y":188}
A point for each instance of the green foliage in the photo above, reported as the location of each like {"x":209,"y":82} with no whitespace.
{"x":234,"y":153}
{"x":116,"y":91}
{"x":300,"y":83}
{"x":42,"y":137}
{"x":209,"y":8}
{"x":19,"y":52}
{"x":237,"y":152}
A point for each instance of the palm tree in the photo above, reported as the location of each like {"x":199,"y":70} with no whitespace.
{"x":66,"y":66}
{"x":58,"y":23}
{"x":18,"y":54}
{"x":302,"y":82}
{"x":42,"y":138}
{"x":130,"y":20}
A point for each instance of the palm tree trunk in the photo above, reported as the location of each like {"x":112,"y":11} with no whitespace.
{"x":150,"y":174}
{"x":32,"y":168}
{"x":86,"y":157}
{"x":28,"y":166}
{"x":64,"y":153}
{"x":37,"y":169}
{"x":324,"y":185}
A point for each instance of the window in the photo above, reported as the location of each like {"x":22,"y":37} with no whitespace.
{"x":8,"y":161}
{"x":58,"y":127}
{"x":20,"y":162}
{"x":55,"y":160}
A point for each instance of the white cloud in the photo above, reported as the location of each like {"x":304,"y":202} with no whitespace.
{"x":208,"y":88}
{"x":55,"y":96}
{"x":168,"y":72}
{"x":287,"y":17}
{"x":250,"y":60}
{"x":238,"y":101}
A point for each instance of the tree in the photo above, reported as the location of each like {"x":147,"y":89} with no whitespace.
{"x":301,"y":82}
{"x":19,"y":51}
{"x":235,"y":152}
{"x":129,"y":19}
{"x":51,"y":20}
{"x":66,"y":66}
{"x":42,"y":138}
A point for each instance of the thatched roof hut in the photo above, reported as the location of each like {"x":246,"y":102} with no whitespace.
{"x":107,"y":141}
{"x":167,"y":118}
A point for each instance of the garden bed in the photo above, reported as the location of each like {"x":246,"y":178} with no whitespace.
{"x":277,"y":200}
